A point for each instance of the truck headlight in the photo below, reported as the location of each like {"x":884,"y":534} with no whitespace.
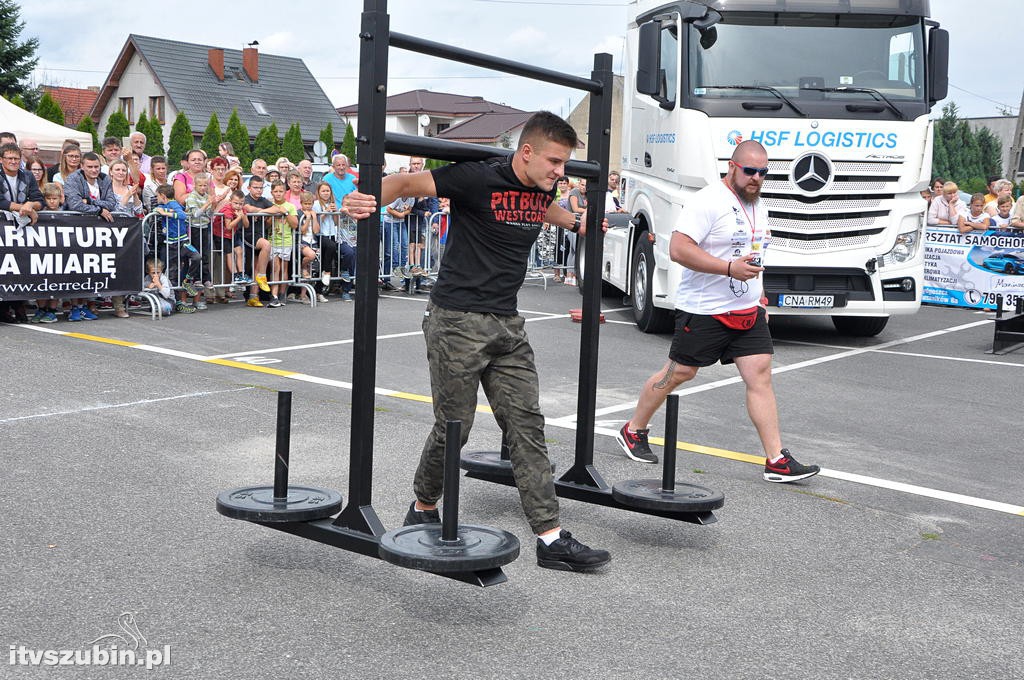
{"x":906,"y":243}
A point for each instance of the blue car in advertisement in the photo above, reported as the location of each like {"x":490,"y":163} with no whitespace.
{"x":1008,"y":263}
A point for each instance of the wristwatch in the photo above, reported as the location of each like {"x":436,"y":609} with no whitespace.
{"x":576,"y":220}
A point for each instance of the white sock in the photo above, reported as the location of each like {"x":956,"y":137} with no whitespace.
{"x":548,"y":539}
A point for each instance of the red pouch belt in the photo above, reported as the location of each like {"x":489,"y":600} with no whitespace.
{"x":739,"y":320}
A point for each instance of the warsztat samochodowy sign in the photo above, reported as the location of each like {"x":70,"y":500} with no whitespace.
{"x":970,"y":270}
{"x":69,"y":255}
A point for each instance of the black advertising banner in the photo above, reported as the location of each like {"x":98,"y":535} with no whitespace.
{"x":70,"y":255}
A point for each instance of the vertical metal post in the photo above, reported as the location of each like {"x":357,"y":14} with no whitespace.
{"x":598,"y":147}
{"x":450,"y":502}
{"x":284,"y":435}
{"x":668,"y":478}
{"x":374,"y":31}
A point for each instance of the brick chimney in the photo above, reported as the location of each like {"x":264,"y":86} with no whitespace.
{"x":215,"y":56}
{"x":251,"y":63}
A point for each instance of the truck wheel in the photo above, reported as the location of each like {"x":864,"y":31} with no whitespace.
{"x":860,"y":326}
{"x":649,"y":318}
{"x":580,"y":267}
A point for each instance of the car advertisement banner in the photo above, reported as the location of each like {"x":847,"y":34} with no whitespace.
{"x":69,"y":255}
{"x":970,"y":270}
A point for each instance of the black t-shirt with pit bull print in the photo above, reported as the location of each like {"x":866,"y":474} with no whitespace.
{"x":495,"y":221}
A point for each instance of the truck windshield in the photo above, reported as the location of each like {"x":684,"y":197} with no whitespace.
{"x":810,"y":58}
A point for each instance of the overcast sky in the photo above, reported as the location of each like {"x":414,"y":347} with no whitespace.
{"x":79,"y":42}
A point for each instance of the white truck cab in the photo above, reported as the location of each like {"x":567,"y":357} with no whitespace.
{"x":839,"y":93}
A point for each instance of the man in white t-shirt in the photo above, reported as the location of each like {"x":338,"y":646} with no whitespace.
{"x":720,"y":308}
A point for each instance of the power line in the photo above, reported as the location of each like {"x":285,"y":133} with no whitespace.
{"x":981,"y":96}
{"x":555,"y":4}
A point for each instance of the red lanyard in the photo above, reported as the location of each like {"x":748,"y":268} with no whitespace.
{"x":751,"y":219}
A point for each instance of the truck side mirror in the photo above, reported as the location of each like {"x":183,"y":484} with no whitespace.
{"x":938,"y":64}
{"x":648,"y":69}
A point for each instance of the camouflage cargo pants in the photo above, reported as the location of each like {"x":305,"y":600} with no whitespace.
{"x":465,"y":350}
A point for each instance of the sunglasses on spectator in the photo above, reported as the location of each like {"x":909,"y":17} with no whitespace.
{"x":749,"y":171}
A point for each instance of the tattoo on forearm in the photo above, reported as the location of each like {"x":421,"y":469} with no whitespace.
{"x":661,"y":384}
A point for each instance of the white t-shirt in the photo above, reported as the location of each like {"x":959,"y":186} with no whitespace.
{"x":726,"y":228}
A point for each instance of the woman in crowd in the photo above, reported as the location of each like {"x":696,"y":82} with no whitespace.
{"x":70,"y":160}
{"x":37,"y":170}
{"x":128,"y":202}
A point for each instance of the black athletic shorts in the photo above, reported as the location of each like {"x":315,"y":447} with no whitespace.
{"x":701,"y":340}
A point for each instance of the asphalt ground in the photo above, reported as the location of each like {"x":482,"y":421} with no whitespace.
{"x":901,"y":560}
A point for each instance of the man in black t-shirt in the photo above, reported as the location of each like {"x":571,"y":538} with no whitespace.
{"x":473,"y":332}
{"x":257,"y":247}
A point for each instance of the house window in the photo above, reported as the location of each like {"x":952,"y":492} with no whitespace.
{"x":260,"y":109}
{"x":441,"y":127}
{"x":156,"y":109}
{"x":127,"y":107}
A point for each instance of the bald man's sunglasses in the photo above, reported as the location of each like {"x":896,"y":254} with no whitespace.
{"x":749,"y":171}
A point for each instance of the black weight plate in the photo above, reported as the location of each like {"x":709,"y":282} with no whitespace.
{"x":488,"y":462}
{"x":648,"y":494}
{"x":257,"y":504}
{"x":419,"y":546}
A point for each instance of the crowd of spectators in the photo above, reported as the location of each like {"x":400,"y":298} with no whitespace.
{"x":993,"y":210}
{"x":205,"y":227}
{"x":214,"y":232}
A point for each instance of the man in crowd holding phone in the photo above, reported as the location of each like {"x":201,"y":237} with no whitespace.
{"x":720,"y":309}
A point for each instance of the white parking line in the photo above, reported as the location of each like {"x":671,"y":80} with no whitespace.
{"x":630,"y":405}
{"x":543,"y":316}
{"x":103,"y":407}
{"x":569,"y":421}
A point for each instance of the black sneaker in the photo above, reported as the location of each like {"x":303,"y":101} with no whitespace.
{"x":568,"y":554}
{"x":415,"y":516}
{"x":634,"y":444}
{"x":787,"y":469}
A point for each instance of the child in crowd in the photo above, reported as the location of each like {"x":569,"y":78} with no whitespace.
{"x":176,"y":240}
{"x":199,"y":207}
{"x":46,"y":309}
{"x":234,"y":221}
{"x":158,"y":284}
{"x":976,"y":219}
{"x":1001,"y":220}
{"x":337,"y":245}
{"x":285,"y":220}
{"x":309,"y":230}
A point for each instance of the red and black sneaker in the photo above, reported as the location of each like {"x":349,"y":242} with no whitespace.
{"x":634,"y":444}
{"x":787,"y":469}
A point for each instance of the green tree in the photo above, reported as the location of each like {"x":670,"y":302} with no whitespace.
{"x":348,"y":143}
{"x":18,"y":101}
{"x":292,"y":147}
{"x":154,"y":137}
{"x":268,"y":144}
{"x":17,"y":59}
{"x":238,"y":135}
{"x":49,"y":109}
{"x":87,"y":124}
{"x":211,"y":136}
{"x":180,"y":140}
{"x":117,"y":126}
{"x":142,"y":124}
{"x":327,"y":137}
{"x":990,"y":151}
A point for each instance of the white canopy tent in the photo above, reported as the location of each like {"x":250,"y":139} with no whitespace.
{"x":28,"y":125}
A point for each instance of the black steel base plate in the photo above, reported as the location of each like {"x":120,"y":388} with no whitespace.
{"x":420,"y":546}
{"x":257,"y":504}
{"x":488,"y":462}
{"x":648,"y":494}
